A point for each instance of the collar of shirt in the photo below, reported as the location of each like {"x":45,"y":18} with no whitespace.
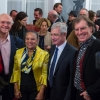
{"x":61,"y":47}
{"x":55,"y":21}
{"x":7,"y":39}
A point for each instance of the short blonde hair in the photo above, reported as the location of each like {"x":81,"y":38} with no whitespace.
{"x":39,"y":22}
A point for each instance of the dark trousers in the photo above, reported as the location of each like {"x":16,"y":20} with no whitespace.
{"x":78,"y":97}
{"x":29,"y":92}
{"x":6,"y":94}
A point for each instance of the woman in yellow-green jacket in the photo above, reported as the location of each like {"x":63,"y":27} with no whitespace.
{"x":30,"y":70}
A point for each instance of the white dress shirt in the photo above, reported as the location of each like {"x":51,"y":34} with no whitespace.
{"x":60,"y":49}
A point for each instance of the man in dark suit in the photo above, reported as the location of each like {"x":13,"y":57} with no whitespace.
{"x":61,"y":65}
{"x":53,"y":18}
{"x":8,"y":47}
{"x":86,"y":79}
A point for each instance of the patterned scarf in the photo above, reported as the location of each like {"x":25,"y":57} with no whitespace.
{"x":83,"y":47}
{"x":26,"y":61}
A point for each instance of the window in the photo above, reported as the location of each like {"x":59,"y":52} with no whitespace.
{"x":93,"y":5}
{"x":28,"y":6}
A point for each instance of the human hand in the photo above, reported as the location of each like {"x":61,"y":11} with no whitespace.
{"x":85,"y":95}
{"x":46,"y":47}
{"x":17,"y":94}
{"x":97,"y":27}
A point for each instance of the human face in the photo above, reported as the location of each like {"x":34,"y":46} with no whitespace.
{"x":57,"y":37}
{"x":83,"y":31}
{"x":43,"y":27}
{"x":23,"y":22}
{"x":13,"y":15}
{"x":71,"y":17}
{"x":50,"y":17}
{"x":37,"y":15}
{"x":83,"y":13}
{"x":31,"y":41}
{"x":94,"y":18}
{"x":5,"y":24}
{"x":58,"y":9}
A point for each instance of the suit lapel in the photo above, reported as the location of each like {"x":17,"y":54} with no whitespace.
{"x":88,"y":52}
{"x":63,"y":54}
{"x":13,"y":50}
{"x":52,"y":51}
{"x":51,"y":54}
{"x":58,"y":20}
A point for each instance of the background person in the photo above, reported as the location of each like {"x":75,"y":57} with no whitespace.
{"x":58,"y":8}
{"x":38,"y":13}
{"x":13,"y":14}
{"x":72,"y":16}
{"x":18,"y":28}
{"x":92,"y":17}
{"x":53,"y":18}
{"x":44,"y":35}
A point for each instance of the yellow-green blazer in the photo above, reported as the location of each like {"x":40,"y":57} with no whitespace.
{"x":39,"y":67}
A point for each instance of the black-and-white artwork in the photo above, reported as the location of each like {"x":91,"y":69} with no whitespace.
{"x":69,"y":5}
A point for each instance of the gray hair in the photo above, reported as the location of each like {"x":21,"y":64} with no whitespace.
{"x":98,"y":13}
{"x":84,"y":9}
{"x":62,"y":26}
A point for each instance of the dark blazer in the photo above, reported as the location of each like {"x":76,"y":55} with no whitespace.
{"x":90,"y":75}
{"x":58,"y":20}
{"x":16,"y":43}
{"x":61,"y":18}
{"x":62,"y":73}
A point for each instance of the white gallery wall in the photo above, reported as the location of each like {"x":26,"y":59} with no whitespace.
{"x":3,"y":6}
{"x":29,"y":5}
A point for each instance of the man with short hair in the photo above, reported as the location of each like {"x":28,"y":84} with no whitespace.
{"x":84,"y":12}
{"x":37,"y":14}
{"x":13,"y":14}
{"x":8,"y":47}
{"x":86,"y":78}
{"x":58,"y":8}
{"x":61,"y":63}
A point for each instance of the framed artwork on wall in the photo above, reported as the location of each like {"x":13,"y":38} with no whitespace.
{"x":69,"y":5}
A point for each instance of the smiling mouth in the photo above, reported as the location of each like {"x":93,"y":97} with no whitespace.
{"x":53,"y":40}
{"x":82,"y":35}
{"x":29,"y":44}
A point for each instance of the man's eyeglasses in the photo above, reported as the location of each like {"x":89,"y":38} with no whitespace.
{"x":81,"y":29}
